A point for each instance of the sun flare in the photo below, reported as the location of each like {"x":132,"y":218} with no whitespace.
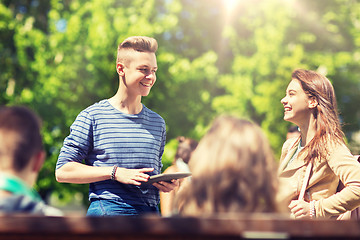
{"x":230,"y":4}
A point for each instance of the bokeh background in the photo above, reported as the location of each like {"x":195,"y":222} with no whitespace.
{"x":215,"y":57}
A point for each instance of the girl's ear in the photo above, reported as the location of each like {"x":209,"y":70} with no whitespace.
{"x":313,"y":102}
{"x":120,"y":69}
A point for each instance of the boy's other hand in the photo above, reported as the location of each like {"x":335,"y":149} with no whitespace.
{"x":132,"y":176}
{"x":167,"y":186}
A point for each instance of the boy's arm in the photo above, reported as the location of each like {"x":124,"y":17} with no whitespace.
{"x":74,"y":172}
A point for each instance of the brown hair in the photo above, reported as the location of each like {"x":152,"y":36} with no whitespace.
{"x":20,"y":136}
{"x":328,"y":128}
{"x":136,"y":43}
{"x":185,"y":148}
{"x":233,"y":170}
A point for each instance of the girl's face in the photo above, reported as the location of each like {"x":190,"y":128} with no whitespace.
{"x":297,"y":104}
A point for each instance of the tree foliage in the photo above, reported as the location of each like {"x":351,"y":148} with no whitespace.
{"x":58,"y":57}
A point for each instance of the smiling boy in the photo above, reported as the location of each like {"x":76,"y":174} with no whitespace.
{"x":120,"y":140}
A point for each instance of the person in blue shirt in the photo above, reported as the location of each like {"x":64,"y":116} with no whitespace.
{"x":117,"y":143}
{"x":21,"y":159}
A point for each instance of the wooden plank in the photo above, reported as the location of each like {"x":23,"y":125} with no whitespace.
{"x":155,"y":227}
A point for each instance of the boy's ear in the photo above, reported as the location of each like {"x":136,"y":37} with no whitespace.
{"x":120,"y":69}
{"x":313,"y":102}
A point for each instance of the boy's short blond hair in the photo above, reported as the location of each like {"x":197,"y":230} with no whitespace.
{"x":135,"y":43}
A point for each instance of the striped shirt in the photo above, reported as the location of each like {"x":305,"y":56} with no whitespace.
{"x":103,"y":136}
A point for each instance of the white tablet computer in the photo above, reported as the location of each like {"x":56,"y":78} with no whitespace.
{"x":166,"y":177}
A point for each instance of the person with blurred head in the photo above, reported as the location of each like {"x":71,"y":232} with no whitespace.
{"x":120,"y":140}
{"x":180,"y":164}
{"x":233,"y":171}
{"x":310,"y":103}
{"x":21,"y":158}
{"x":293,"y":132}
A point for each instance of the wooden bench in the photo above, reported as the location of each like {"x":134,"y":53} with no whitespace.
{"x":154,"y":227}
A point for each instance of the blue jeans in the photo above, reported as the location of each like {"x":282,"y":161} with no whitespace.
{"x":106,"y":207}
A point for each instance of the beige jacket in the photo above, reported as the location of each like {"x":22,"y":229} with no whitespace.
{"x":324,"y":180}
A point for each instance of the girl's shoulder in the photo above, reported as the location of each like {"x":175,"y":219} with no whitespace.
{"x":335,"y":148}
{"x":289,"y":143}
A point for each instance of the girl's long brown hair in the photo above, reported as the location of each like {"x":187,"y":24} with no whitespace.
{"x":328,"y":128}
{"x":233,"y":170}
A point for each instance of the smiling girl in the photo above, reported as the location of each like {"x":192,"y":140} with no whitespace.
{"x":310,"y":103}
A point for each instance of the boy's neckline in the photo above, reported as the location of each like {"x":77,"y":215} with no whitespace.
{"x":130,"y":114}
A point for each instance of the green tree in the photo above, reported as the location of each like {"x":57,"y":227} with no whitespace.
{"x":266,"y":47}
{"x":58,"y":57}
{"x":261,"y":66}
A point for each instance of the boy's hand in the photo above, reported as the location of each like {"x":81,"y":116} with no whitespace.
{"x":132,"y":176}
{"x":167,"y":186}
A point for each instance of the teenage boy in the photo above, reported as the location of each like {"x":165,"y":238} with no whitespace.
{"x":21,"y":159}
{"x":120,"y":140}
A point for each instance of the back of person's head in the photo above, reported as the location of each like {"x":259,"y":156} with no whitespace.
{"x":293,"y":128}
{"x":135,"y":43}
{"x":185,"y":148}
{"x":293,"y":131}
{"x":233,"y":170}
{"x":20,"y":137}
{"x":327,"y":120}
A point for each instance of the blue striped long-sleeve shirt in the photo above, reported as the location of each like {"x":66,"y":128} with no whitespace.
{"x":103,"y":136}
